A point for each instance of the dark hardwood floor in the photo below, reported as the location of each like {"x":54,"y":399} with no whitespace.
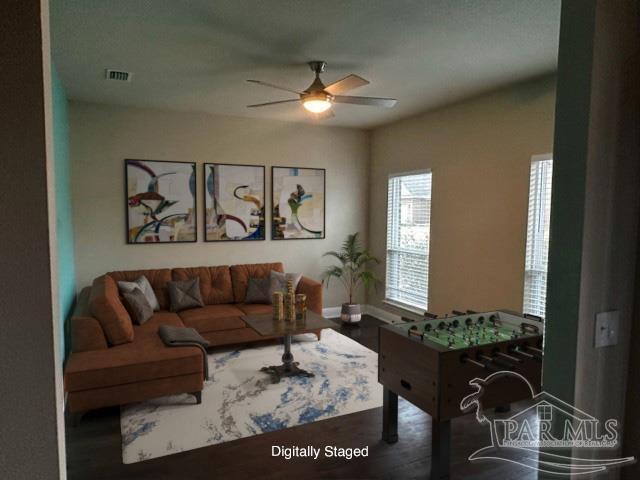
{"x":94,"y":450}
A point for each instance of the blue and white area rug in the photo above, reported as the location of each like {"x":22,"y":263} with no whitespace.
{"x":239,"y":401}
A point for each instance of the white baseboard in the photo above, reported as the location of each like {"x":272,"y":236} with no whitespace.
{"x":381,"y":314}
{"x":384,"y":315}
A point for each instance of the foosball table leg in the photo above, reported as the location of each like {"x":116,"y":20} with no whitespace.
{"x":440,"y":449}
{"x":389,"y":416}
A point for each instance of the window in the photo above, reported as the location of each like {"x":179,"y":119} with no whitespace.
{"x":545,"y":412}
{"x":408,"y":226}
{"x":537,"y":252}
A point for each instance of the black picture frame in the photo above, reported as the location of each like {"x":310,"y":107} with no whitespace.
{"x":128,"y":200}
{"x":274,"y":203}
{"x":264,"y":206}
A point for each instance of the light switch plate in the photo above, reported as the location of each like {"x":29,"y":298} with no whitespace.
{"x":607,"y":326}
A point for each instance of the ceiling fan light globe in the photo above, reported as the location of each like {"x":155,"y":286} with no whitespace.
{"x":317,"y":105}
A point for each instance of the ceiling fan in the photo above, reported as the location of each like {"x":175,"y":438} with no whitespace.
{"x":319,"y":98}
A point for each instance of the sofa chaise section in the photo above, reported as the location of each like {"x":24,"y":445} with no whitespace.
{"x":98,"y":375}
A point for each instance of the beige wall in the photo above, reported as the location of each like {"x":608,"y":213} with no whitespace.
{"x":479,"y":152}
{"x":103,"y":136}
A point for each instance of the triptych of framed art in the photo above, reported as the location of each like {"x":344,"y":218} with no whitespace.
{"x":161,"y":202}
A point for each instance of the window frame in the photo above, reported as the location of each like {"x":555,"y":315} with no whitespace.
{"x":391,"y":301}
{"x":534,"y":159}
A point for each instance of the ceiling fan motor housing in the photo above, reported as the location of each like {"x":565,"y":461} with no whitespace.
{"x":317,"y":87}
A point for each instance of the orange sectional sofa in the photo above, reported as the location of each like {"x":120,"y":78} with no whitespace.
{"x":114,"y":362}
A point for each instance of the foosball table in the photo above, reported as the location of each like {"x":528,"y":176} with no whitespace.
{"x":430,"y":363}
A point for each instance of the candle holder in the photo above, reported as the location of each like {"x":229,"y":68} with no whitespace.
{"x":301,"y":305}
{"x":278,"y":305}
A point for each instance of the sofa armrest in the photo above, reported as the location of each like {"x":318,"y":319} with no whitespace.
{"x":86,"y":331}
{"x":313,"y":291}
{"x":87,"y":334}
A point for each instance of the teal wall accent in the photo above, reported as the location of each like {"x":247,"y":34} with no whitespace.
{"x":66,"y":274}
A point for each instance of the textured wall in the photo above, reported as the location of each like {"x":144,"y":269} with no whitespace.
{"x":479,"y":152}
{"x":31,"y":434}
{"x":66,"y":273}
{"x":103,"y":136}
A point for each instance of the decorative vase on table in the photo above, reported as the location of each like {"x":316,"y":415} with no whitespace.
{"x":351,"y":313}
{"x":353,"y":272}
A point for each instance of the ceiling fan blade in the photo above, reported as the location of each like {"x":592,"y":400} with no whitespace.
{"x":324,"y":115}
{"x":265,"y":84}
{"x":272,"y":103}
{"x":371,"y":101}
{"x":345,"y":84}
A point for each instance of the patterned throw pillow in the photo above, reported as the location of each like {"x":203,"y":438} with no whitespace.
{"x":278,"y":281}
{"x":184,"y":295}
{"x":145,"y":287}
{"x":138,"y":306}
{"x":258,"y":291}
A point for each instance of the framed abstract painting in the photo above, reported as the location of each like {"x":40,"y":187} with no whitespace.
{"x":234,"y":202}
{"x":298,"y":209}
{"x":161,"y":201}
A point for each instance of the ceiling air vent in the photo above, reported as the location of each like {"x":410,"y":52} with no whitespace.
{"x":118,"y":75}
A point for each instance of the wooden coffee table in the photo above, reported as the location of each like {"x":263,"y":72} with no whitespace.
{"x":266,"y":326}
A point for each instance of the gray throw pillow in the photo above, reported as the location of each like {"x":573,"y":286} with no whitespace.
{"x":278,"y":281}
{"x":184,"y":295}
{"x":145,"y":287}
{"x":137,"y":305}
{"x":258,"y":291}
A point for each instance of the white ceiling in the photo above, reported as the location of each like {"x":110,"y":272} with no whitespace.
{"x":195,"y":55}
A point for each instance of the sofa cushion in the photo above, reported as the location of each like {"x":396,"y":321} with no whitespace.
{"x":137,"y":305}
{"x":185,"y":294}
{"x":106,"y":307}
{"x":240,"y":275}
{"x":215,"y":282}
{"x":212,"y":318}
{"x":255,"y":308}
{"x":258,"y":291}
{"x":145,"y":359}
{"x":151,"y":326}
{"x":145,"y":288}
{"x":278,"y":281}
{"x":157,"y":278}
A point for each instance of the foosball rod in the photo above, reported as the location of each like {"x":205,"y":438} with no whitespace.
{"x":465,"y":359}
{"x":534,"y":349}
{"x":495,"y":360}
{"x":508,"y":357}
{"x":525,"y":354}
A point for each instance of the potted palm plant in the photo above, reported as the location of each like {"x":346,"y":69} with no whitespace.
{"x":353,"y":272}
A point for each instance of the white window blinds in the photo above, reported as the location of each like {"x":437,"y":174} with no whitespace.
{"x":408,"y":227}
{"x":537,"y":252}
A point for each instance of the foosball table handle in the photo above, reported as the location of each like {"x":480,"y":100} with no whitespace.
{"x":527,"y":328}
{"x":517,"y":351}
{"x":413,"y":332}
